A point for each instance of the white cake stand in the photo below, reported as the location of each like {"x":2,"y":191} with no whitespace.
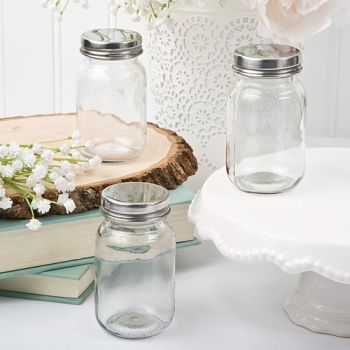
{"x":306,"y":230}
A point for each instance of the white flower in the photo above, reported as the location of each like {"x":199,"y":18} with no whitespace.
{"x":54,"y":174}
{"x":67,"y":202}
{"x":295,"y":20}
{"x":6,"y":203}
{"x":70,"y":186}
{"x":39,"y":189}
{"x":63,"y":197}
{"x":95,"y":162}
{"x":47,"y":155}
{"x":40,"y":171}
{"x":31,"y":181}
{"x":75,"y":138}
{"x":152,"y":12}
{"x":2,"y":191}
{"x":62,"y":185}
{"x":59,"y":6}
{"x":88,"y":144}
{"x":66,"y":167}
{"x":3,"y":151}
{"x":34,"y":203}
{"x":76,"y":154}
{"x":69,"y":205}
{"x":14,"y":149}
{"x":7,"y":171}
{"x":76,"y":143}
{"x":28,"y":158}
{"x":92,"y":163}
{"x":70,"y":176}
{"x":65,"y":149}
{"x":33,"y":225}
{"x":17,"y":165}
{"x":43,"y":206}
{"x":75,"y":135}
{"x":27,"y":165}
{"x":37,"y":149}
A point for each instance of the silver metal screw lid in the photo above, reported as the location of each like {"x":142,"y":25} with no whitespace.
{"x":135,"y":202}
{"x":111,"y":44}
{"x":267,"y":60}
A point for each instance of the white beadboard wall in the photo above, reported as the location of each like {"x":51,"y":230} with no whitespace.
{"x":39,"y":57}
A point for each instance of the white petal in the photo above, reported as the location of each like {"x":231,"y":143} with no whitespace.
{"x":6,"y":203}
{"x":33,"y":225}
{"x":69,"y":205}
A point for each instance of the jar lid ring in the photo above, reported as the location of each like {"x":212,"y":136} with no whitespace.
{"x":111,"y":44}
{"x":267,"y":60}
{"x":135,"y":202}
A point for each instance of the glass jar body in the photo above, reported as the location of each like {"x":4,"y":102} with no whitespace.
{"x":135,"y":282}
{"x":111,"y":108}
{"x":266,"y":134}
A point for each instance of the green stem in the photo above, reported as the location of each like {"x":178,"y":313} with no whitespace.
{"x":17,"y":187}
{"x":30,"y":207}
{"x":70,"y":160}
{"x":64,"y":7}
{"x":24,"y":193}
{"x":54,"y":141}
{"x":152,"y":8}
{"x":48,"y":180}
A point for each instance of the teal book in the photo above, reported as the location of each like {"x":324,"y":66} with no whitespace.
{"x":70,"y":285}
{"x":68,"y":240}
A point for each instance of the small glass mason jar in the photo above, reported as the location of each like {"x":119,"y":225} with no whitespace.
{"x":135,"y":261}
{"x":111,"y":95}
{"x":266,"y":117}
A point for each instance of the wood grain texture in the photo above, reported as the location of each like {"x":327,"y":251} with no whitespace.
{"x":167,"y":160}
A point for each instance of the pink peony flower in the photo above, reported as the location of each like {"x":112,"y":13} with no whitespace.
{"x":296,"y":20}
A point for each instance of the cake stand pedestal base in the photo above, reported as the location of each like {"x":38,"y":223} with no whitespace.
{"x":320,"y":305}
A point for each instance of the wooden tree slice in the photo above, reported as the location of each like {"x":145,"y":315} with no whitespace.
{"x":167,"y":160}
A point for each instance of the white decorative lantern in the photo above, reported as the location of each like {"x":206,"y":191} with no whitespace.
{"x":191,"y":73}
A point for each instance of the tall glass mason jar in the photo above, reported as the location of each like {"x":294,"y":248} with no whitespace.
{"x":135,"y":261}
{"x":266,"y":120}
{"x":111,"y":95}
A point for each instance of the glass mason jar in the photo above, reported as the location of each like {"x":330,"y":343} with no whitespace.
{"x":266,"y":120}
{"x":135,"y":261}
{"x":111,"y":95}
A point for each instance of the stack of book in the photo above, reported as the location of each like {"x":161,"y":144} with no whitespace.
{"x":55,"y":263}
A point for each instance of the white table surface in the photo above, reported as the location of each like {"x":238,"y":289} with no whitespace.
{"x":220,"y":304}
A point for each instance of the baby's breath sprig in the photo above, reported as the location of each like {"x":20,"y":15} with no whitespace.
{"x":29,"y":168}
{"x":60,"y":6}
{"x":153,"y":12}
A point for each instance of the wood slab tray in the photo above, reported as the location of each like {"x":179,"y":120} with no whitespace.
{"x":167,"y":160}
